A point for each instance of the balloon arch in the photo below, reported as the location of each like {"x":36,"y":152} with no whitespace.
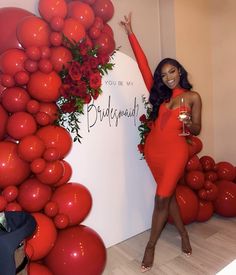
{"x":34,"y":176}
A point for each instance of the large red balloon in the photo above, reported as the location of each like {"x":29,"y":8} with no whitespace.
{"x":103,"y":9}
{"x":56,"y":137}
{"x":188,"y":203}
{"x":105,"y":43}
{"x":73,"y":29}
{"x":3,"y":124}
{"x":60,"y":56}
{"x":33,"y":195}
{"x":43,"y":239}
{"x":44,"y":87}
{"x":207,"y":162}
{"x":74,"y":200}
{"x":205,"y":211}
{"x":12,"y":61}
{"x":38,"y":269}
{"x":52,"y":173}
{"x":195,"y":179}
{"x":51,"y":8}
{"x":225,"y":171}
{"x":74,"y":249}
{"x":13,"y":170}
{"x":33,"y":31}
{"x":15,"y":99}
{"x":31,"y":147}
{"x":9,"y":19}
{"x":82,"y":12}
{"x":225,"y":203}
{"x":21,"y":124}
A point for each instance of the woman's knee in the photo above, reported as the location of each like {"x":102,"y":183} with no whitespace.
{"x":162,"y":203}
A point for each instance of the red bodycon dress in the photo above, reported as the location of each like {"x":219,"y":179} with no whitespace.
{"x":165,"y":151}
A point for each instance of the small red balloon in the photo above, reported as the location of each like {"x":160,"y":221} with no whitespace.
{"x":22,"y":78}
{"x":103,"y":9}
{"x":195,"y":179}
{"x":38,"y":165}
{"x":45,"y":52}
{"x":207,"y":162}
{"x":225,"y":171}
{"x":60,"y":57}
{"x":193,"y":163}
{"x":66,"y":175}
{"x":10,"y":193}
{"x":33,"y":106}
{"x":42,"y":118}
{"x":51,"y":209}
{"x":56,"y":39}
{"x":50,"y":109}
{"x":13,"y":206}
{"x":51,"y":154}
{"x":61,"y":221}
{"x":31,"y":65}
{"x":211,"y":176}
{"x":57,"y":23}
{"x":33,"y":53}
{"x":7,"y":80}
{"x":51,"y":8}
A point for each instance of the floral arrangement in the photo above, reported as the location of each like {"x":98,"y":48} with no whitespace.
{"x":145,"y":126}
{"x":81,"y":82}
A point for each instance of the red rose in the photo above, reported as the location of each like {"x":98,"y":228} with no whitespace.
{"x":143,"y":118}
{"x":141,"y":148}
{"x":93,"y":61}
{"x":95,"y":95}
{"x":149,"y":124}
{"x":95,"y":80}
{"x":87,"y":99}
{"x":69,"y":107}
{"x":74,"y":71}
{"x":103,"y":59}
{"x":85,"y":69}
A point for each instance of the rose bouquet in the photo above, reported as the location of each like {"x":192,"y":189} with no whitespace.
{"x":81,"y":82}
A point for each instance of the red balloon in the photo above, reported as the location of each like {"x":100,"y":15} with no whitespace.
{"x":52,"y":154}
{"x":60,"y":57}
{"x":33,"y":195}
{"x":51,"y":173}
{"x":3,"y":124}
{"x":33,"y":106}
{"x":207,"y":162}
{"x":50,"y":8}
{"x":90,"y":2}
{"x":45,"y":66}
{"x":30,"y":147}
{"x":56,"y":137}
{"x":103,"y":9}
{"x":7,"y":80}
{"x":74,"y":200}
{"x":202,"y":194}
{"x":73,"y":29}
{"x":33,"y":53}
{"x":12,"y":61}
{"x":21,"y":124}
{"x":31,"y":66}
{"x":82,"y":12}
{"x":42,"y":118}
{"x":98,"y":23}
{"x":108,"y":30}
{"x":50,"y":109}
{"x":225,"y":203}
{"x":38,"y":165}
{"x":15,"y":99}
{"x":195,"y":145}
{"x":211,"y":176}
{"x":94,"y":32}
{"x":74,"y":249}
{"x":13,"y":206}
{"x":57,"y":23}
{"x":211,"y":191}
{"x":45,"y":52}
{"x":66,"y":175}
{"x":10,"y":193}
{"x":3,"y":203}
{"x":225,"y":170}
{"x":9,"y":20}
{"x":61,"y":221}
{"x":44,"y":87}
{"x":195,"y":179}
{"x":51,"y":209}
{"x":56,"y":39}
{"x":105,"y":44}
{"x":22,"y":78}
{"x":44,"y":238}
{"x":205,"y":211}
{"x":13,"y":170}
{"x":188,"y":203}
{"x":38,"y":269}
{"x":33,"y":31}
{"x":193,"y":163}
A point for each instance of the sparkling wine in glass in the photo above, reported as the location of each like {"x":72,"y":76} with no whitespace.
{"x":183,"y":116}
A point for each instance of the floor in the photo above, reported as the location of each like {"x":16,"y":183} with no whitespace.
{"x":213,"y":243}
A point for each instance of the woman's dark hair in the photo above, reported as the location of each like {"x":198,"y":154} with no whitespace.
{"x":159,"y":91}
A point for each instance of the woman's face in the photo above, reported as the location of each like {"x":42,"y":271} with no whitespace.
{"x":170,"y":76}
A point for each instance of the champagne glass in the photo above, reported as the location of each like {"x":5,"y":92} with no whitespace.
{"x":183,"y":116}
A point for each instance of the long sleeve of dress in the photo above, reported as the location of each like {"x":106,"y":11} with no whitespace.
{"x":142,"y":61}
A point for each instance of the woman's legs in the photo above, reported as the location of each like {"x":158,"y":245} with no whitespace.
{"x":159,"y":218}
{"x":175,"y":214}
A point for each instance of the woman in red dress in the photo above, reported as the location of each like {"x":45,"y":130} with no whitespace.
{"x":166,"y":150}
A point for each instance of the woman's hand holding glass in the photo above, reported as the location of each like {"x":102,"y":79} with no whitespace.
{"x":184,"y":116}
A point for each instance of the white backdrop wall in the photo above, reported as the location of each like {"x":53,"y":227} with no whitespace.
{"x":107,"y":162}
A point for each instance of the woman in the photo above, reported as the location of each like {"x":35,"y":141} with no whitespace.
{"x":166,"y":150}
